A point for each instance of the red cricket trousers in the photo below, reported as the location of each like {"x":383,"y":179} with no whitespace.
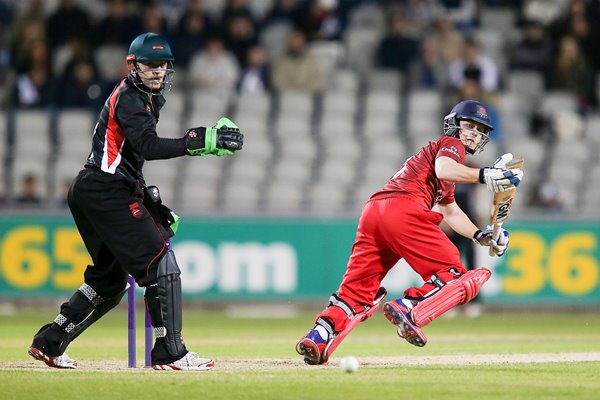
{"x":390,"y":229}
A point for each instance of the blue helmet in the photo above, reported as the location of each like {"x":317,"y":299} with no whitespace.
{"x":469,"y":110}
{"x":145,"y":48}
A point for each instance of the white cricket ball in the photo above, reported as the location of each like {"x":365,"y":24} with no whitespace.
{"x":349,"y":364}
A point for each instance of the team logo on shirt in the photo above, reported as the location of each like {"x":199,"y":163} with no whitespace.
{"x":452,"y":150}
{"x":148,"y":108}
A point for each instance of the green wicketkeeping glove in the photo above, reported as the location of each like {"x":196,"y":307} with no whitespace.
{"x":221,"y":139}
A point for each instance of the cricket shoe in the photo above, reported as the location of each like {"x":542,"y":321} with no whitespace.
{"x":312,"y":347}
{"x":190,"y":362}
{"x":399,"y":315}
{"x":62,"y":361}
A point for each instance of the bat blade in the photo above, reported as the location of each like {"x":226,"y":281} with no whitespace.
{"x":503,"y":202}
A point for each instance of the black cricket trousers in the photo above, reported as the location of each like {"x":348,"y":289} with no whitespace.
{"x":119,"y":233}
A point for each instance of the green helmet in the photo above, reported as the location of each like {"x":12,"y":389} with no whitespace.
{"x":146,"y":48}
{"x":150,"y":47}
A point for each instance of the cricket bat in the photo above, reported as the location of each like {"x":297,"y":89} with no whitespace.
{"x":503,"y":201}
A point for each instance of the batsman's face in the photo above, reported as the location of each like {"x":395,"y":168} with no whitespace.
{"x":471,"y":133}
{"x":153,"y":73}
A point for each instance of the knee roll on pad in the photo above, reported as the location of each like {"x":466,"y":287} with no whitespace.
{"x":459,"y":291}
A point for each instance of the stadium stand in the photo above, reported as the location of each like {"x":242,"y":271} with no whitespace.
{"x":306,"y":153}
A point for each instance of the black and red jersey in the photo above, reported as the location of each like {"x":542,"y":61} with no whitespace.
{"x":125,"y":134}
{"x":417,"y":179}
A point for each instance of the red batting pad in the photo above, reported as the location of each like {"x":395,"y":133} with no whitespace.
{"x":459,"y":291}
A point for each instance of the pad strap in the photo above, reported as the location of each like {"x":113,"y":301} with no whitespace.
{"x":335,"y":301}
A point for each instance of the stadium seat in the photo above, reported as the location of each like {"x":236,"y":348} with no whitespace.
{"x":32,"y":141}
{"x":328,"y":54}
{"x":328,"y":198}
{"x":361,"y":44}
{"x":284,"y":196}
{"x":384,"y":80}
{"x":274,"y":39}
{"x":345,"y":80}
{"x":110,"y":59}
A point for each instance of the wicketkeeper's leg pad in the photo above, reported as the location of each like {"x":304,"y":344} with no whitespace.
{"x":83,"y":309}
{"x":164,"y":304}
{"x":456,"y":292}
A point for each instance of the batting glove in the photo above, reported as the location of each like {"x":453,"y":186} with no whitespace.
{"x":500,"y":180}
{"x":501,"y":244}
{"x":485,"y":238}
{"x":497,"y":246}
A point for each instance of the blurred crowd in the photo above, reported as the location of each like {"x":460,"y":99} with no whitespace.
{"x":63,"y":56}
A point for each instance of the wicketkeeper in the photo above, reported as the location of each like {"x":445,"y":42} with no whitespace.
{"x":124,"y":226}
{"x":398,"y":222}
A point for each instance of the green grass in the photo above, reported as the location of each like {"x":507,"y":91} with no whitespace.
{"x":226,"y":339}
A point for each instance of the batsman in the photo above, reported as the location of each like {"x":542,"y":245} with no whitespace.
{"x":398,"y":222}
{"x":124,"y":225}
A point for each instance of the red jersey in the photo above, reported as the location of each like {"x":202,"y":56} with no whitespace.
{"x":416,"y":178}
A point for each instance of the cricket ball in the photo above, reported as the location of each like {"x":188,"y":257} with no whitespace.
{"x":349,"y":364}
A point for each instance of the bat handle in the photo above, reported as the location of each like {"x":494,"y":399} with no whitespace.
{"x":495,"y":236}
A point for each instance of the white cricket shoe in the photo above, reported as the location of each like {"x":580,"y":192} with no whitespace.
{"x":62,"y":361}
{"x":190,"y":362}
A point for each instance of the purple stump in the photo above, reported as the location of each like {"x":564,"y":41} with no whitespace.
{"x":131,"y":322}
{"x":148,"y":335}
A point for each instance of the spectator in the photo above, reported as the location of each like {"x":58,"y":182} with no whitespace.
{"x":193,"y":30}
{"x":80,"y":87}
{"x":474,"y":63}
{"x":214,"y":68}
{"x":34,"y":86}
{"x":297,"y":69}
{"x":397,"y":50}
{"x":429,"y":71}
{"x":234,"y":9}
{"x":285,"y":12}
{"x":30,"y":33}
{"x":323,"y":21}
{"x":533,"y":51}
{"x":255,"y":76}
{"x":464,"y":13}
{"x":450,"y":40}
{"x":69,"y":21}
{"x":422,"y":13}
{"x":572,"y":72}
{"x":548,"y":196}
{"x":240,"y":35}
{"x":118,"y":27}
{"x":29,"y":191}
{"x":154,"y":20}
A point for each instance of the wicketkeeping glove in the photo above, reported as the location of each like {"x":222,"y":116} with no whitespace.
{"x":221,"y":139}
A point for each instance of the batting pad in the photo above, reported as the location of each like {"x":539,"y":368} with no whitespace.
{"x":459,"y":291}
